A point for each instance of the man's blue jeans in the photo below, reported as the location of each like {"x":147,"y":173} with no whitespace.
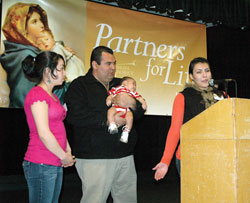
{"x":44,"y":182}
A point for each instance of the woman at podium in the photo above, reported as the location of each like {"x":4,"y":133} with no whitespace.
{"x":195,"y":98}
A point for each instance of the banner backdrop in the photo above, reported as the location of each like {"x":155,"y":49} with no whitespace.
{"x":152,"y":49}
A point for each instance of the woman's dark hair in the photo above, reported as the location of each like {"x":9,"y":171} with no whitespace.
{"x":42,"y":14}
{"x":195,"y":61}
{"x":34,"y":67}
{"x":96,"y":54}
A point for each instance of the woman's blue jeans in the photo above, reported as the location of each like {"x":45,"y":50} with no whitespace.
{"x":44,"y":182}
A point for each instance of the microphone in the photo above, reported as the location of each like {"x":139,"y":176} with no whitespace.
{"x":213,"y":82}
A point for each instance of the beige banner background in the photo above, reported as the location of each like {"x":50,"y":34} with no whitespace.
{"x":155,"y":50}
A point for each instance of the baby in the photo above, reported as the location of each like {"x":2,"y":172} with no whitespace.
{"x":74,"y":66}
{"x":128,"y":85}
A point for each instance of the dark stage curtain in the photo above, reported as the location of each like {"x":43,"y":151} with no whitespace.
{"x":231,"y":13}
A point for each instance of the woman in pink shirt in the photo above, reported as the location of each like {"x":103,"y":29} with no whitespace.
{"x":48,"y":149}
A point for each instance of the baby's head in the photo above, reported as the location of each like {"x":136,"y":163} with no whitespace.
{"x":46,"y":42}
{"x":129,"y":83}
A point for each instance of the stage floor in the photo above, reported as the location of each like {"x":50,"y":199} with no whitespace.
{"x":13,"y":189}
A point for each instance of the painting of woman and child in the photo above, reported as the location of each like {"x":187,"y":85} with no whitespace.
{"x":32,"y":27}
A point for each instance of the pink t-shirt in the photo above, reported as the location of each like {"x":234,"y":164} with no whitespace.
{"x":37,"y":152}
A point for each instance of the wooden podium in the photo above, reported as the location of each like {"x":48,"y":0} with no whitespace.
{"x":215,"y":154}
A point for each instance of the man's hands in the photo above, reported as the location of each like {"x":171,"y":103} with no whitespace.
{"x":109,"y":100}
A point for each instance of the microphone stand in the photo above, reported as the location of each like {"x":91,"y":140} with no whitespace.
{"x":235,"y":87}
{"x":225,"y":85}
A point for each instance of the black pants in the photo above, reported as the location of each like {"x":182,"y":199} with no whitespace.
{"x":178,"y":166}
